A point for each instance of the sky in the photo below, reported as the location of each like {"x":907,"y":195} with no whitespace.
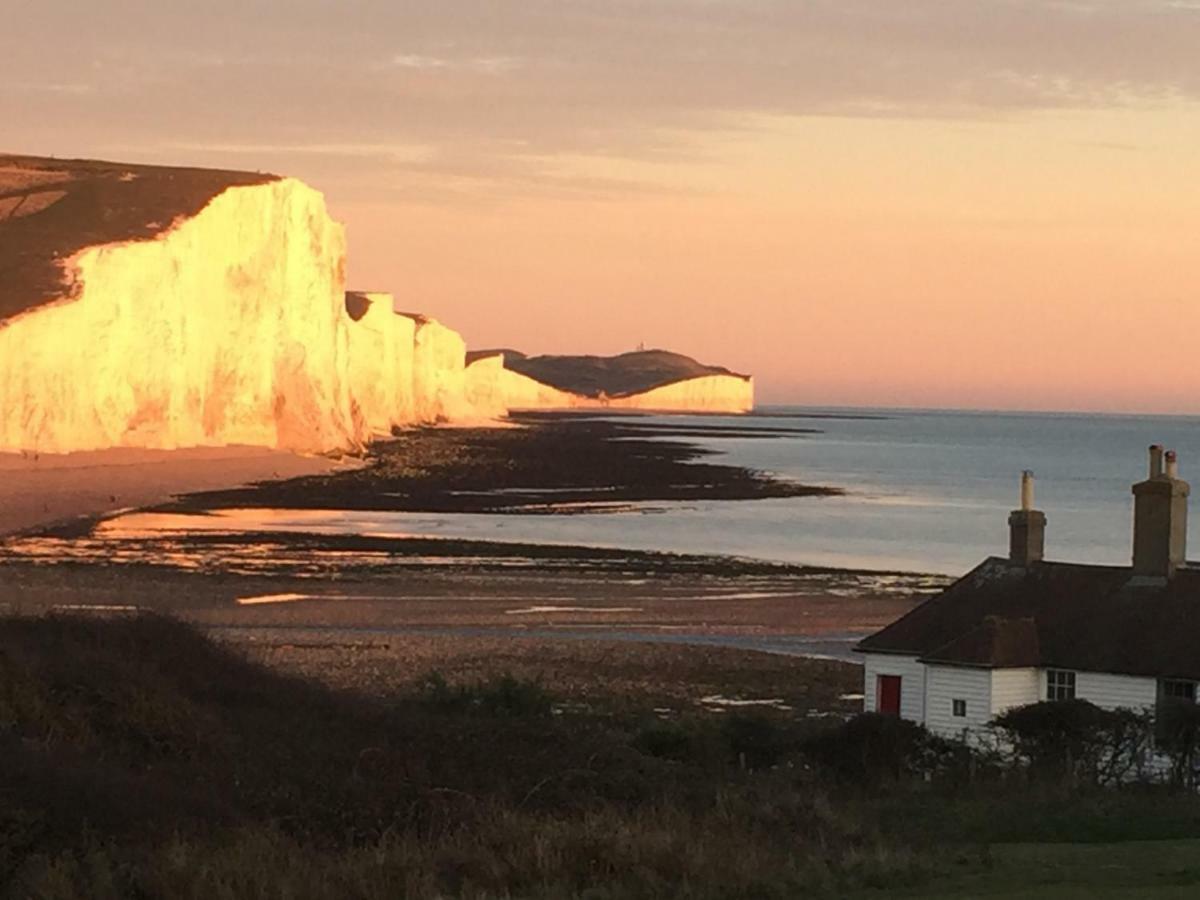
{"x":928,"y":203}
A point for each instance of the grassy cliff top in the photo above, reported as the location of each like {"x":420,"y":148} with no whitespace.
{"x":613,"y":376}
{"x":51,"y":209}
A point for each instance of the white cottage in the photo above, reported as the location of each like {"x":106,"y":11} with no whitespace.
{"x":1018,"y":630}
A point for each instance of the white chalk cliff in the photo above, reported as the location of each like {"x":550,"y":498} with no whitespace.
{"x":165,"y":308}
{"x":380,"y":362}
{"x":229,"y":327}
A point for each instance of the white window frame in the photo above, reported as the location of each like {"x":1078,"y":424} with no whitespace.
{"x":956,"y":705}
{"x":1061,"y":684}
{"x":1177,"y":689}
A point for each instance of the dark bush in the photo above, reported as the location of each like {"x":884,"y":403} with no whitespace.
{"x":758,"y":742}
{"x":1177,"y":734}
{"x":502,"y":696}
{"x":682,"y":741}
{"x":1077,"y":741}
{"x":871,"y":748}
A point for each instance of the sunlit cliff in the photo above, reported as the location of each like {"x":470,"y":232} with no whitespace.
{"x":163,"y":308}
{"x":226,"y":327}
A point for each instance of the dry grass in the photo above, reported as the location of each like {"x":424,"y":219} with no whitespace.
{"x":142,"y":759}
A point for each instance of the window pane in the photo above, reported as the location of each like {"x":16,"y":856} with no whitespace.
{"x":1060,"y":685}
{"x":1182,"y":690}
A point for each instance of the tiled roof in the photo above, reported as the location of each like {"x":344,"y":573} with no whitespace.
{"x":1061,"y":615}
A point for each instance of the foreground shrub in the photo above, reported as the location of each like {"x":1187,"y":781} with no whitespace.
{"x":602,"y":854}
{"x":757,"y":741}
{"x":501,"y":696}
{"x":1177,"y":734}
{"x":872,"y":748}
{"x":750,"y":742}
{"x":1077,"y":741}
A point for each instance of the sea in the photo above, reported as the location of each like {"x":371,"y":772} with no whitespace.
{"x":925,"y":491}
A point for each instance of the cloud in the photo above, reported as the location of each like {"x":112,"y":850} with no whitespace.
{"x":484,"y":64}
{"x":397,"y":153}
{"x":74,"y":89}
{"x":490,"y":85}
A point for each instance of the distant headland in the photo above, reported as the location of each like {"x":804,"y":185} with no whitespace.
{"x":161,"y":307}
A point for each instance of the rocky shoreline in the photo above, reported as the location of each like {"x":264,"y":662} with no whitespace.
{"x":551,"y":463}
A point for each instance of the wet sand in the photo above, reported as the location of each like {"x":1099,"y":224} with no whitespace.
{"x":37,"y":490}
{"x":600,"y":676}
{"x":378,"y":607}
{"x":675,"y":638}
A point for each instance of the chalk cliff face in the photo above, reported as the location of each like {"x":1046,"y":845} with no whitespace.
{"x":486,"y":388}
{"x":706,"y":393}
{"x":160,"y":308}
{"x":227,"y":327}
{"x":380,"y":363}
{"x":406,"y":368}
{"x":439,"y":371}
{"x":522,"y":392}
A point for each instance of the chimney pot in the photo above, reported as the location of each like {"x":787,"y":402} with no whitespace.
{"x":1156,"y":460}
{"x":1160,"y":510}
{"x":1026,"y":528}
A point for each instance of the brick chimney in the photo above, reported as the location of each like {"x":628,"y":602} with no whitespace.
{"x":1026,"y":527}
{"x":1160,"y":518}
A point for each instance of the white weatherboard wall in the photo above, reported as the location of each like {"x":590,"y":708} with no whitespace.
{"x":912,"y":684}
{"x":227,"y":328}
{"x":944,"y":685}
{"x":1113,"y":691}
{"x":1015,"y":687}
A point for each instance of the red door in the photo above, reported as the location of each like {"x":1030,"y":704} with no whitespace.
{"x":887,"y":695}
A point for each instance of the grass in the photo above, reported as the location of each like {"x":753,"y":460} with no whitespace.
{"x":143,"y":759}
{"x":1059,"y":871}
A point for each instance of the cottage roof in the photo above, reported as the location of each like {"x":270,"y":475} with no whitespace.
{"x":1057,"y":615}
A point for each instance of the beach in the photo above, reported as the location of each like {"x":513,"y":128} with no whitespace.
{"x":38,"y":490}
{"x":256,"y":566}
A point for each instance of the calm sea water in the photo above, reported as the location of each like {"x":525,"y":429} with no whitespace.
{"x":927,"y":491}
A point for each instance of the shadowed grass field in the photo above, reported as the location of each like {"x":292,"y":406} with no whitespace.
{"x":143,"y":759}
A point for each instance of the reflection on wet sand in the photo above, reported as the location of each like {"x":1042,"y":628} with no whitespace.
{"x":278,"y":575}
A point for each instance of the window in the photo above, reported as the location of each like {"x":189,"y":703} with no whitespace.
{"x":1172,"y":689}
{"x":1172,"y":713}
{"x":1060,"y":685}
{"x":960,"y":708}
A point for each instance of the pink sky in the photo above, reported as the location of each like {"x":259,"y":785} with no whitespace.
{"x":985,"y":203}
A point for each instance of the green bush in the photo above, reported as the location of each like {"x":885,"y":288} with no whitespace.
{"x":501,"y":696}
{"x":872,"y":748}
{"x":1177,"y":733}
{"x":685,"y":741}
{"x":1076,"y":741}
{"x":758,"y":741}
